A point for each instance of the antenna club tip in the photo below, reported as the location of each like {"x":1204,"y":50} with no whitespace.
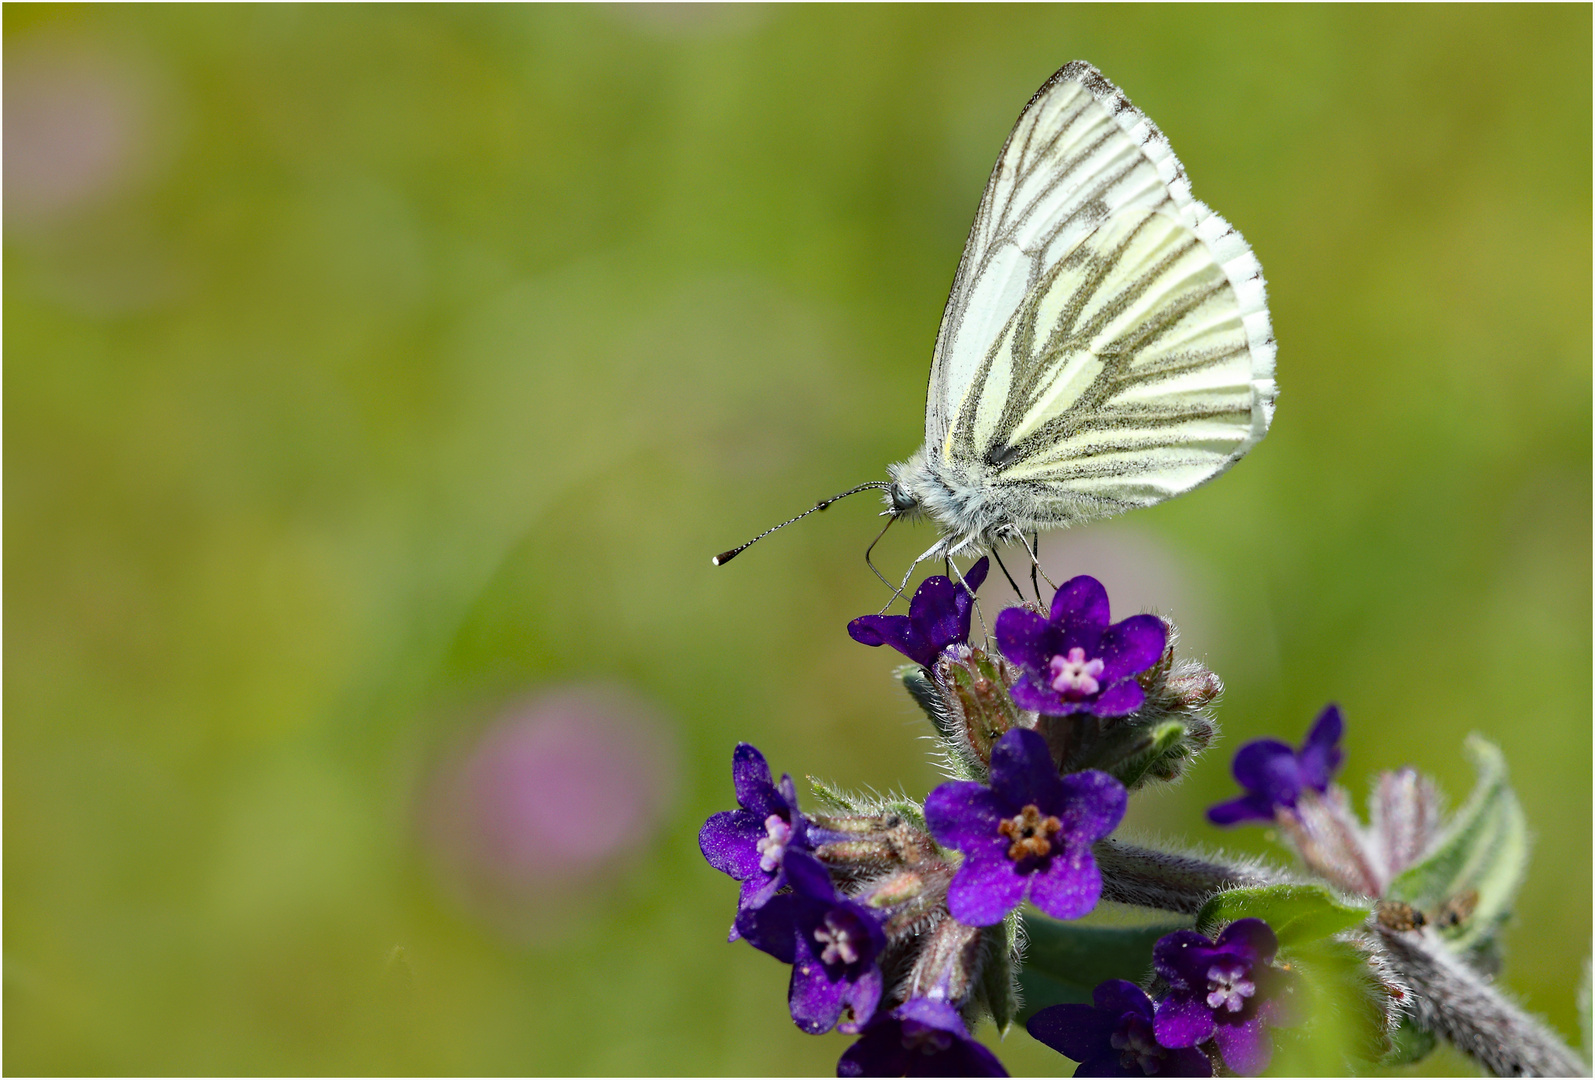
{"x":723,"y":558}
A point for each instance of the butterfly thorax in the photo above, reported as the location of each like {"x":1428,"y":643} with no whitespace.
{"x":961,"y":500}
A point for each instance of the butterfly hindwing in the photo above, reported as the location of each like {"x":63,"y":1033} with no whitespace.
{"x":1106,"y":344}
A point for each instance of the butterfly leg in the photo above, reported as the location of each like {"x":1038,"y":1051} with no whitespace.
{"x":1016,"y":590}
{"x":1035,"y":563}
{"x":936,"y":549}
{"x":958,"y":576}
{"x":1035,"y":540}
{"x":871,"y":565}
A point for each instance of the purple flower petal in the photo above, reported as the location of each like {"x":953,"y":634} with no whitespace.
{"x":1131,"y":646}
{"x":1120,"y":700}
{"x":1268,"y":768}
{"x":1114,"y":1036}
{"x":1182,"y":958}
{"x":920,"y":1038}
{"x":808,"y":875}
{"x":985,"y":889}
{"x":964,"y":814}
{"x":1182,"y":1020}
{"x":750,"y":774}
{"x":1251,"y":939}
{"x":1022,"y":772}
{"x":938,"y":616}
{"x":1068,"y":887}
{"x":772,"y":927}
{"x":1275,"y":775}
{"x":814,"y":997}
{"x":1076,"y":1031}
{"x":1094,"y":805}
{"x":1080,"y":601}
{"x":1027,"y":695}
{"x":1245,"y":808}
{"x":1121,"y":996}
{"x":728,"y":841}
{"x":862,"y":998}
{"x":1022,"y":637}
{"x":1320,"y":753}
{"x":1246,"y":1047}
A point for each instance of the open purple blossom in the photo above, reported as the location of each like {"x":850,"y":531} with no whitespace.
{"x":1075,"y":661}
{"x":751,"y":843}
{"x":938,"y":616}
{"x":1028,"y":834}
{"x":1224,"y":990}
{"x":1114,"y":1036}
{"x":1274,"y":775}
{"x":832,"y":944}
{"x":922,"y":1037}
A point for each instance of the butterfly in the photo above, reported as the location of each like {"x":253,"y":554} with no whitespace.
{"x":1106,"y":344}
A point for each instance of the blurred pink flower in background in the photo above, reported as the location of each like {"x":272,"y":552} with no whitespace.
{"x":549,"y":802}
{"x":76,"y":129}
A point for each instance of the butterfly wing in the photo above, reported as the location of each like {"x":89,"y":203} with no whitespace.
{"x":1106,"y":344}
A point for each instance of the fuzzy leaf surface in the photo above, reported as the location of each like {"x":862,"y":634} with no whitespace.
{"x":1065,"y":961}
{"x":1484,"y":849}
{"x":1297,"y":913}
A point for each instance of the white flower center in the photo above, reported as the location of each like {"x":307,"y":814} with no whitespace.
{"x":773,"y":846}
{"x":1228,"y":988}
{"x":838,"y":942}
{"x":1074,"y":674}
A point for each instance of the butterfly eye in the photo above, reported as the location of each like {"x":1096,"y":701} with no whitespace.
{"x":901,"y":498}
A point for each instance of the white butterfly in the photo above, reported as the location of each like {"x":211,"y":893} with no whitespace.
{"x":1106,"y":345}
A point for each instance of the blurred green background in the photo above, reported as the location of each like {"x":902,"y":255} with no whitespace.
{"x":373,"y":370}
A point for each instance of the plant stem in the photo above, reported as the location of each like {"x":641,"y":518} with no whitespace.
{"x":1453,"y":1001}
{"x":1150,"y":878}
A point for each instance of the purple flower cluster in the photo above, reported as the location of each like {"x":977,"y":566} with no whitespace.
{"x":1275,"y":776}
{"x":1026,"y":834}
{"x":1224,"y":992}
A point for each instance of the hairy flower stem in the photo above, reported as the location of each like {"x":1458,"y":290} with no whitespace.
{"x":1150,"y":878}
{"x":1446,"y":996}
{"x":1451,"y":1000}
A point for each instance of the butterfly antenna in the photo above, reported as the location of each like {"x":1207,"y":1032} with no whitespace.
{"x":726,"y":556}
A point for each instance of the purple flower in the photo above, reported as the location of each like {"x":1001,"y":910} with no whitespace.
{"x":1075,"y":661}
{"x":938,"y":616}
{"x":1030,"y":832}
{"x":1224,"y":990}
{"x":831,"y":942}
{"x":751,"y":844}
{"x":922,"y":1037}
{"x":1114,"y":1037}
{"x":1274,"y":775}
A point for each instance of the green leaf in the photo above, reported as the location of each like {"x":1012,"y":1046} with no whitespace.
{"x":1342,"y":1009}
{"x":1409,"y":1044}
{"x":1065,"y":961}
{"x":1297,"y":913}
{"x":1484,"y":850}
{"x":996,"y":993}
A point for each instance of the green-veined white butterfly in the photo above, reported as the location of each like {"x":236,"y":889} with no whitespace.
{"x":1106,"y":345}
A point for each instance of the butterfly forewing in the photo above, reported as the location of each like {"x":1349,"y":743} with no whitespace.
{"x":1106,"y":344}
